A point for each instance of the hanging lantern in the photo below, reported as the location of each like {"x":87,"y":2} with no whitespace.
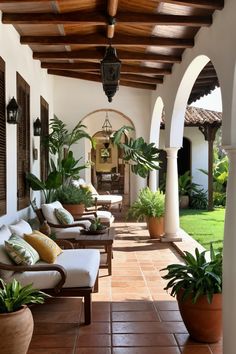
{"x":110,"y":71}
{"x":13,"y":112}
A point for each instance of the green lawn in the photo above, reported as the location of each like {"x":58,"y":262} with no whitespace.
{"x":204,"y":226}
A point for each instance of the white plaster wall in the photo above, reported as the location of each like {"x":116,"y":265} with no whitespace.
{"x":75,"y":99}
{"x":199,"y":154}
{"x":18,"y":58}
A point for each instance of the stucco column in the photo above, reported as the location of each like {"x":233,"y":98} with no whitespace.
{"x":153,"y":180}
{"x":171,"y":198}
{"x":229,"y":258}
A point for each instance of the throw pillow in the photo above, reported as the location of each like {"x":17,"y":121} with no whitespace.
{"x":48,"y":249}
{"x":5,"y":233}
{"x":20,"y":251}
{"x":48,"y":212}
{"x":64,"y":216}
{"x":20,"y":228}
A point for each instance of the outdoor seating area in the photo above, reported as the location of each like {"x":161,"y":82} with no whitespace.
{"x":131,"y":312}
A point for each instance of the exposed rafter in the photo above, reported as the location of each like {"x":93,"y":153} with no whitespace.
{"x":95,"y":55}
{"x":97,"y":18}
{"x":96,"y":66}
{"x":99,"y":40}
{"x":97,"y":78}
{"x":205,"y":4}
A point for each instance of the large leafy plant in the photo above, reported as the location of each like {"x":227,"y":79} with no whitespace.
{"x":148,"y":204}
{"x":141,"y":156}
{"x":198,"y":276}
{"x":186,"y":186}
{"x":13,"y":296}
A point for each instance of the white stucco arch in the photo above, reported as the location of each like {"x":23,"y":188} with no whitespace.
{"x":156,"y":121}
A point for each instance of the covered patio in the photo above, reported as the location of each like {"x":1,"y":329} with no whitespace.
{"x":172,"y":52}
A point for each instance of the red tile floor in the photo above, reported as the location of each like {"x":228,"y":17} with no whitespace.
{"x":132,"y":314}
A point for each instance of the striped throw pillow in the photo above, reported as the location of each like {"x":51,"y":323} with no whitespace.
{"x":20,"y":251}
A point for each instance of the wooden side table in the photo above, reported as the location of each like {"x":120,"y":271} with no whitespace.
{"x":105,"y":240}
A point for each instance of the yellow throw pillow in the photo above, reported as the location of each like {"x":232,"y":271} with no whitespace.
{"x":48,"y":249}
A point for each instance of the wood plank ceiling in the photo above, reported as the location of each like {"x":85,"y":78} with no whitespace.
{"x":69,"y":37}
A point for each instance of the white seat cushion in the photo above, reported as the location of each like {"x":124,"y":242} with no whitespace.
{"x":104,"y":216}
{"x":108,"y":198}
{"x":49,"y":211}
{"x":81,"y":267}
{"x":69,"y":232}
{"x":20,"y":228}
{"x":5,"y":233}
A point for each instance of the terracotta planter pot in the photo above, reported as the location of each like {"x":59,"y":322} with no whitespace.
{"x":16,"y":329}
{"x":75,"y":209}
{"x":202,"y":320}
{"x":155,"y":226}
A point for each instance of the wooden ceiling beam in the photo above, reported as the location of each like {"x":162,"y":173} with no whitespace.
{"x":94,"y":55}
{"x":97,"y":18}
{"x":203,"y":4}
{"x":97,"y":78}
{"x":99,"y":40}
{"x":96,"y":66}
{"x":141,"y":78}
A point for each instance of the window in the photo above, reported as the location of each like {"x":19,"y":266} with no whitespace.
{"x":23,"y":143}
{"x":44,"y":156}
{"x":3,"y":140}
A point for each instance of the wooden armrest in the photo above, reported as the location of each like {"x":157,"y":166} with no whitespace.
{"x":39,"y":268}
{"x":59,"y":226}
{"x":65,"y":244}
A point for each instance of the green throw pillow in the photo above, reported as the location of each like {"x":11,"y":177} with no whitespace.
{"x":63,"y":216}
{"x":20,"y":251}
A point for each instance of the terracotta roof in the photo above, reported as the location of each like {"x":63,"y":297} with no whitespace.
{"x":198,"y":116}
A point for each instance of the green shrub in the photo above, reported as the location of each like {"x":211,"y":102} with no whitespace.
{"x":199,"y":200}
{"x":148,"y":204}
{"x":219,"y":199}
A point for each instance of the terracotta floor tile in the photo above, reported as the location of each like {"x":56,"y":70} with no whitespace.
{"x":57,"y":328}
{"x":134,"y":316}
{"x":143,"y":340}
{"x":101,"y":306}
{"x":148,"y":327}
{"x":183,"y":339}
{"x":130,"y":297}
{"x":129,"y":279}
{"x":96,"y":327}
{"x":166,"y":305}
{"x":51,"y":351}
{"x":93,"y":351}
{"x":147,"y":350}
{"x":126,"y":284}
{"x":132,"y":306}
{"x":93,"y":340}
{"x":142,"y":291}
{"x":216,"y":348}
{"x":100,"y":316}
{"x":170,"y":316}
{"x":196,"y":349}
{"x":57,"y":317}
{"x":52,"y":341}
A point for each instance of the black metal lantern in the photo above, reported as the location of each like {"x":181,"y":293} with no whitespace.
{"x":107,"y":127}
{"x":37,"y":127}
{"x":110,"y":71}
{"x":13,"y":112}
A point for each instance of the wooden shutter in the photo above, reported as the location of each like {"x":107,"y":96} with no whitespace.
{"x":3,"y":140}
{"x":23,"y":143}
{"x":44,"y":155}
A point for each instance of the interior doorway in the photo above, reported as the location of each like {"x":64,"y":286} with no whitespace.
{"x":109,"y":171}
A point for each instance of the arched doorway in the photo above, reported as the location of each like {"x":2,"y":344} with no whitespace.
{"x":184,"y":157}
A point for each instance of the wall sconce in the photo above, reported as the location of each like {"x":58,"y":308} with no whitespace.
{"x":37,"y":127}
{"x":13,"y":112}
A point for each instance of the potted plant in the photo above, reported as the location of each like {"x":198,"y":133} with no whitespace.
{"x":197,"y":284}
{"x":151,"y":207}
{"x":16,"y":321}
{"x":186,"y":187}
{"x":74,"y":199}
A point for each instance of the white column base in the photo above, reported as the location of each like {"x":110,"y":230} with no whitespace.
{"x":171,"y":238}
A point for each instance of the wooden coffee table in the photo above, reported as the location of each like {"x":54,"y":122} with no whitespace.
{"x":105,"y":240}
